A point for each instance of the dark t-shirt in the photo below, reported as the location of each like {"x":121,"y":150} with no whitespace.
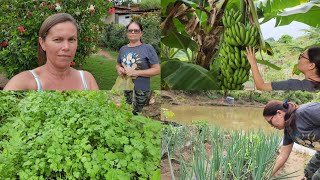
{"x":306,"y":130}
{"x":143,"y":56}
{"x":295,"y":84}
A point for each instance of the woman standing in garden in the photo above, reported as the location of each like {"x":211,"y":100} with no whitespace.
{"x":301,"y":125}
{"x":57,"y":46}
{"x":139,"y":61}
{"x":308,"y":64}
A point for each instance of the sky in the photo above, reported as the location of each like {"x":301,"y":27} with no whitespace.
{"x":294,"y":29}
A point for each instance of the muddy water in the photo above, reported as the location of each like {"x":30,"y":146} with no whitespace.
{"x":243,"y":118}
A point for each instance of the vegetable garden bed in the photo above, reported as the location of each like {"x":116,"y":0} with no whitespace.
{"x":203,"y":152}
{"x":75,"y":135}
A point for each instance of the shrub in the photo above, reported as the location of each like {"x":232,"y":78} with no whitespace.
{"x":115,"y":36}
{"x":150,"y":4}
{"x":77,"y":135}
{"x":21,"y":22}
{"x":151,"y":29}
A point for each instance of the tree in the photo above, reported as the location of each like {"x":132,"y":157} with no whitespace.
{"x":197,"y":31}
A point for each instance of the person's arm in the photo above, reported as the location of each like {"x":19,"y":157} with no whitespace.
{"x":258,"y":81}
{"x":21,"y":81}
{"x":92,"y":84}
{"x":285,"y":151}
{"x":152,"y":71}
{"x":120,"y":69}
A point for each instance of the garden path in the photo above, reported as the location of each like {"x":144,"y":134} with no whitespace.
{"x":105,"y":54}
{"x":3,"y":81}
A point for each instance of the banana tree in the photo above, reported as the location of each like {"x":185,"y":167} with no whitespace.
{"x":189,"y":26}
{"x":198,"y":28}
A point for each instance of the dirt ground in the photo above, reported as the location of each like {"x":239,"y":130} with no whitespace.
{"x":104,"y":54}
{"x":296,"y":161}
{"x":3,"y":81}
{"x":181,"y":98}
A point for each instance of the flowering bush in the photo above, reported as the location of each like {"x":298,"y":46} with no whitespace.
{"x":20,"y":24}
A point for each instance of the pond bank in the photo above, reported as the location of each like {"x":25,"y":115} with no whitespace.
{"x":181,"y":98}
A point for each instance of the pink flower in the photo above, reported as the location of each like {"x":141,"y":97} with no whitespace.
{"x":51,"y":6}
{"x":21,"y":29}
{"x":112,"y":10}
{"x":4,"y":44}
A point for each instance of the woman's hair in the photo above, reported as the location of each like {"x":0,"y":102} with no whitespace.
{"x":288,"y":107}
{"x":46,"y":26}
{"x":137,"y":23}
{"x":314,"y":57}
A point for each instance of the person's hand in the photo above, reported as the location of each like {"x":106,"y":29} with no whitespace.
{"x":121,"y":71}
{"x":131,"y":72}
{"x":251,"y":55}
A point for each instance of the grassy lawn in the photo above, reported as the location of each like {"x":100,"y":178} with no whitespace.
{"x":105,"y":74}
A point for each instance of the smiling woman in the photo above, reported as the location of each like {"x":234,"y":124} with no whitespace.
{"x":56,"y":50}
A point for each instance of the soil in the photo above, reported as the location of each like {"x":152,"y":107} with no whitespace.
{"x":296,"y":162}
{"x":153,"y":108}
{"x":3,"y":81}
{"x":105,"y":54}
{"x":182,"y":98}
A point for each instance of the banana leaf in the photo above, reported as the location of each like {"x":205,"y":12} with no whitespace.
{"x":271,"y":8}
{"x":176,"y":40}
{"x":267,"y":63}
{"x":183,"y":76}
{"x":307,"y":13}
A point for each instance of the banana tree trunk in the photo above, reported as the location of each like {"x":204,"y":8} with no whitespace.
{"x":207,"y":50}
{"x":207,"y":36}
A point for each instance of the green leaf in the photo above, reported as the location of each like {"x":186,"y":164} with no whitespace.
{"x":76,"y":174}
{"x":156,"y":175}
{"x":188,"y":76}
{"x":271,"y":8}
{"x":306,"y":13}
{"x":256,"y":22}
{"x":295,"y":70}
{"x":177,"y":40}
{"x":164,"y":5}
{"x":267,"y":63}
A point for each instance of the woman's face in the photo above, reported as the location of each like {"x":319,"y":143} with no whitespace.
{"x":304,"y":63}
{"x":277,"y":120}
{"x":134,"y":32}
{"x":60,"y":44}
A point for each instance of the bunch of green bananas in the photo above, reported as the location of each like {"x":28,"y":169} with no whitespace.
{"x":235,"y":67}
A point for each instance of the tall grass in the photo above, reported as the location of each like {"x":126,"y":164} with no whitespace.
{"x":215,"y":153}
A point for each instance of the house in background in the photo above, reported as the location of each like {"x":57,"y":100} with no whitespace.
{"x":123,"y":14}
